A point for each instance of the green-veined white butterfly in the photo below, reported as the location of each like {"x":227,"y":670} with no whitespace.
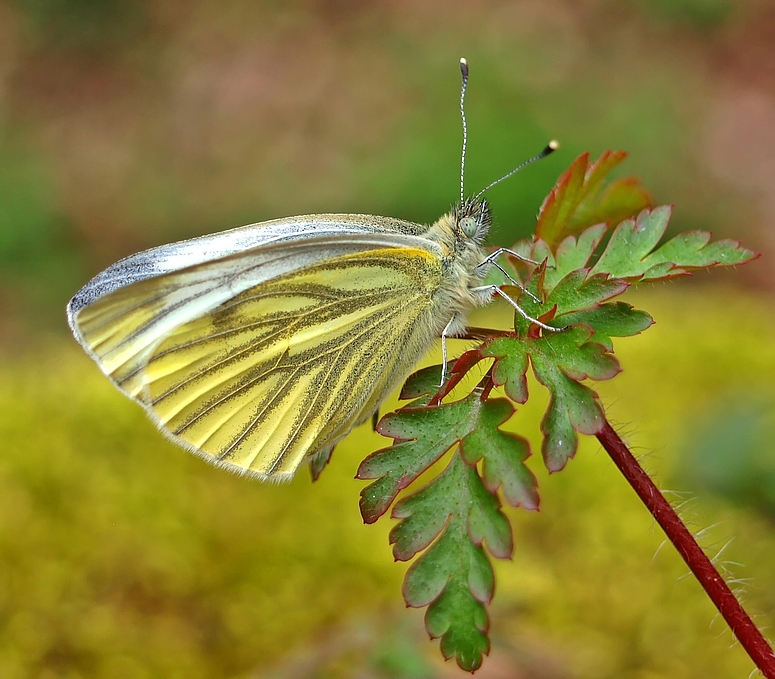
{"x":263,"y":345}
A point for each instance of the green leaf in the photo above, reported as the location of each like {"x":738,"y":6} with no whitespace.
{"x":422,"y":435}
{"x":581,"y":199}
{"x":454,"y":576}
{"x":579,"y":290}
{"x":579,"y":304}
{"x":456,"y":514}
{"x":461,"y":622}
{"x":458,"y":491}
{"x":530,"y":303}
{"x":612,"y":319}
{"x":630,"y":252}
{"x":560,"y":362}
{"x":572,"y":253}
{"x":503,"y":455}
{"x":318,"y":462}
{"x":421,"y":385}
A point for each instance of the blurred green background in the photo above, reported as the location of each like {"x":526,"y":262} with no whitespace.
{"x":125,"y":125}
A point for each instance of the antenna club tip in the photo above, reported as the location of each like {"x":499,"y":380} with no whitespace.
{"x":553,"y":145}
{"x":464,"y":67}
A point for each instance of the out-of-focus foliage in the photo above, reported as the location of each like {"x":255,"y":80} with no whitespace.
{"x":729,"y":450}
{"x":128,"y":124}
{"x":702,"y":14}
{"x":123,"y":556}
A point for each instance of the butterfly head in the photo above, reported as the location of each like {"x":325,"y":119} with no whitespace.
{"x":472,"y":219}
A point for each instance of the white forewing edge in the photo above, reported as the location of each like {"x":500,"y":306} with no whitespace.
{"x":183,"y":254}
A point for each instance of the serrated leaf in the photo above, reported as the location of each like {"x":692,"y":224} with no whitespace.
{"x":502,"y":455}
{"x":452,"y":556}
{"x":631,"y":253}
{"x":579,"y":290}
{"x":580,"y":199}
{"x":557,"y":209}
{"x":621,"y":199}
{"x":510,"y":369}
{"x":530,"y":301}
{"x":560,"y":361}
{"x":421,"y":385}
{"x":422,"y":435}
{"x":461,"y":622}
{"x":456,"y":492}
{"x":454,"y":576}
{"x":451,"y":523}
{"x":457,"y":514}
{"x":611,"y":319}
{"x":572,"y":253}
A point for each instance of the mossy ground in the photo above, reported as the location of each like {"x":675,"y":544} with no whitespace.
{"x":123,"y":556}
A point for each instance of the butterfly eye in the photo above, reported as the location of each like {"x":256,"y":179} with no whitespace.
{"x":468,"y":226}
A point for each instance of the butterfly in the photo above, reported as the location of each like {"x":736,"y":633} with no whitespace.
{"x":264,"y":345}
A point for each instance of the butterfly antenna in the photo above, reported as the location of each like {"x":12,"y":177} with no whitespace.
{"x":464,"y":73}
{"x":550,"y":148}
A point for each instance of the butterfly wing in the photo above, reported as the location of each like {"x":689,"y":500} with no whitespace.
{"x":176,"y":256}
{"x":260,"y":358}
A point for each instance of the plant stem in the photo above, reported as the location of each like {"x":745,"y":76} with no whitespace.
{"x":700,"y":565}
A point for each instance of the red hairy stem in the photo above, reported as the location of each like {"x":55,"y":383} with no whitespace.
{"x":700,"y":565}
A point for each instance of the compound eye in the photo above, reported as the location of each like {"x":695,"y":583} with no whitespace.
{"x":468,"y":226}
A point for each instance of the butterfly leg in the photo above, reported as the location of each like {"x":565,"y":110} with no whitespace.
{"x":490,"y":260}
{"x":500,"y":251}
{"x":496,"y":290}
{"x":444,"y":335}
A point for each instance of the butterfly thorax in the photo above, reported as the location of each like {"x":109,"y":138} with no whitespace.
{"x":460,"y":234}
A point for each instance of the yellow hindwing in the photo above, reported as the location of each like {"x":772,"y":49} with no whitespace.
{"x":278,"y":371}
